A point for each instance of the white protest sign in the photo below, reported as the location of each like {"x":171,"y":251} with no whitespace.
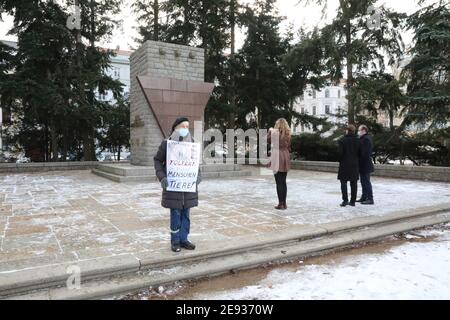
{"x":183,"y":162}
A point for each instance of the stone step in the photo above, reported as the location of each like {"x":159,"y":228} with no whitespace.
{"x":130,"y":170}
{"x":121,"y":179}
{"x":226,"y":174}
{"x":316,"y":241}
{"x":220,"y":167}
{"x":152,"y":178}
{"x":127,"y":170}
{"x":129,"y":173}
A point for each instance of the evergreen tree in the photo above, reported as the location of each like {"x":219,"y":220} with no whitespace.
{"x":261,"y":85}
{"x":57,"y":73}
{"x":428,"y":74}
{"x":303,"y":67}
{"x":97,"y":24}
{"x":40,"y":78}
{"x":356,"y":42}
{"x":380,"y":92}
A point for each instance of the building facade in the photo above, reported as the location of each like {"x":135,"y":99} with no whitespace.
{"x":328,"y":102}
{"x":119,"y":70}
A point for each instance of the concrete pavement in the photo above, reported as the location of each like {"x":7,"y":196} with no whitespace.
{"x":50,"y":221}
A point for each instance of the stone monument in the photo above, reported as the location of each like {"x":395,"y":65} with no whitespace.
{"x":167,"y":81}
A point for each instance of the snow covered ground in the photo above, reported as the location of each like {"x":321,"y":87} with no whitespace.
{"x":58,"y":217}
{"x":413,"y":270}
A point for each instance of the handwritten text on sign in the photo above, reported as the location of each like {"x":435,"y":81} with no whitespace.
{"x":183,"y":161}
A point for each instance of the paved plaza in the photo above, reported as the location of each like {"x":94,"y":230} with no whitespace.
{"x":62,"y":217}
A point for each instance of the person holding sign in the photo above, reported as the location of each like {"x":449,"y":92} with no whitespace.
{"x":177,"y":166}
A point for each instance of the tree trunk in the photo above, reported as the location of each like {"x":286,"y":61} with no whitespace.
{"x":448,"y":153}
{"x":89,"y":143}
{"x":65,"y":146}
{"x":348,"y":53}
{"x":54,"y":143}
{"x":46,"y":142}
{"x":86,"y":136}
{"x":391,"y":120}
{"x":187,"y":17}
{"x":232,"y":75}
{"x":156,"y":20}
{"x":118,"y":153}
{"x":351,"y":107}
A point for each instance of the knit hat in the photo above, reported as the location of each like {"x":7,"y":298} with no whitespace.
{"x":178,"y":121}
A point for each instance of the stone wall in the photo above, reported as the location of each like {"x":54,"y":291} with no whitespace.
{"x":50,"y":166}
{"x":163,"y":60}
{"x":406,"y":172}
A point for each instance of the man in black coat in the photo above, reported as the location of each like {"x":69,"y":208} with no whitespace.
{"x":349,"y":153}
{"x":179,"y":203}
{"x":365,"y":165}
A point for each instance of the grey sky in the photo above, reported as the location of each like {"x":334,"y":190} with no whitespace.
{"x":306,"y":16}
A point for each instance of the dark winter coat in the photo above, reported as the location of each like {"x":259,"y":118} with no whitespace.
{"x":365,"y":161}
{"x":170,"y":199}
{"x":349,"y":153}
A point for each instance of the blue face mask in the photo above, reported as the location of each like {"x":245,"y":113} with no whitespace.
{"x":183,"y":132}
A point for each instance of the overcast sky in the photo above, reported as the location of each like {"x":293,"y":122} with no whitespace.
{"x":306,"y":16}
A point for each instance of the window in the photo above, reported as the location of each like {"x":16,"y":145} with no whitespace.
{"x":339,"y":93}
{"x":314,"y":111}
{"x":327,"y":109}
{"x":327,"y":93}
{"x":303,"y":128}
{"x":314,"y":94}
{"x":116,"y":73}
{"x":339,"y":109}
{"x":303,"y":111}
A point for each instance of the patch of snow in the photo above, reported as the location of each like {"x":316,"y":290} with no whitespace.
{"x":106,"y":239}
{"x":416,"y":270}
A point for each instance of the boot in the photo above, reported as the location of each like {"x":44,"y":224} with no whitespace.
{"x":176,"y":247}
{"x":188,"y":245}
{"x":285,"y":206}
{"x":344,"y":204}
{"x":368,"y":202}
{"x":280,"y":206}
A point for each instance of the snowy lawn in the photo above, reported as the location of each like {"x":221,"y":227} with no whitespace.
{"x":414,"y":270}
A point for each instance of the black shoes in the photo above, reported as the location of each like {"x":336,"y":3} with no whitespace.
{"x":351,"y":204}
{"x":188,"y":245}
{"x":345,"y":203}
{"x":368,"y":202}
{"x":281,"y":206}
{"x":361,"y":200}
{"x":176,"y":247}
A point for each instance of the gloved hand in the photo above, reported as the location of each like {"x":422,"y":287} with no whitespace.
{"x":164,"y":183}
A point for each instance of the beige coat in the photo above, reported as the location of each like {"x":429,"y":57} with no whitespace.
{"x":280,"y":158}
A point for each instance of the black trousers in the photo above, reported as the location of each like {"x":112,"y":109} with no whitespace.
{"x":280,"y":179}
{"x":353,"y":189}
{"x":367,"y":193}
